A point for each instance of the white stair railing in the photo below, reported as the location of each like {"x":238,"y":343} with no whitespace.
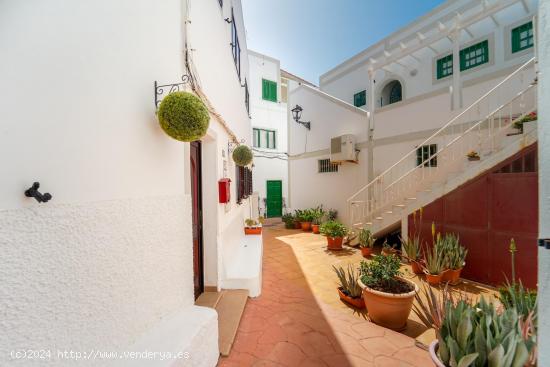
{"x":481,"y":127}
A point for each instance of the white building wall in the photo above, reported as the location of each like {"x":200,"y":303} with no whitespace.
{"x":544,"y":180}
{"x":110,"y":255}
{"x":269,"y":164}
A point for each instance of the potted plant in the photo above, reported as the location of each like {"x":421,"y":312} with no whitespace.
{"x":388,"y":249}
{"x":288,"y":220}
{"x":348,"y":286}
{"x":455,"y":256}
{"x":252,"y":227}
{"x":366,"y":242}
{"x":306,"y":218}
{"x":318,"y":214}
{"x":411,"y":252}
{"x":519,"y":123}
{"x":332,"y":214}
{"x":297,"y":215}
{"x":388,"y":297}
{"x":435,"y":264}
{"x":335,"y":232}
{"x":473,"y":156}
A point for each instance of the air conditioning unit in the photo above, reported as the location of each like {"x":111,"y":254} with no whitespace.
{"x":342,"y":149}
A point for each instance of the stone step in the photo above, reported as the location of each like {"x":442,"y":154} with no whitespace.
{"x":230,"y":310}
{"x":209,"y":299}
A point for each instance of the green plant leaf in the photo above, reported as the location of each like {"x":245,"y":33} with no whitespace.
{"x":496,"y":356}
{"x":464,"y":330}
{"x":521,"y":356}
{"x":467,"y":360}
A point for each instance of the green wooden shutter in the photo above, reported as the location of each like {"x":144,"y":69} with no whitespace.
{"x":265,"y":90}
{"x":522,"y":37}
{"x":273,"y":92}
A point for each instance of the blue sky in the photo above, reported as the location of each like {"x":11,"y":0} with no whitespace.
{"x":312,"y":36}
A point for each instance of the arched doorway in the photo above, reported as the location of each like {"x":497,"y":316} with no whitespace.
{"x":391,"y":93}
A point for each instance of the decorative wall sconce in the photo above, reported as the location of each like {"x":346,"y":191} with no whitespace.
{"x":32,"y":192}
{"x":176,"y":87}
{"x":297,"y":114}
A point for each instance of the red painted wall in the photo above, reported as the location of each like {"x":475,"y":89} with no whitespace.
{"x":486,"y":212}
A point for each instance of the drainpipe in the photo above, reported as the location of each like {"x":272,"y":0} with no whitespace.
{"x":543,"y":125}
{"x":370,"y":130}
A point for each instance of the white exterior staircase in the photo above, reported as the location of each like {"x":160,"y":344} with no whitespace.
{"x":484,"y":127}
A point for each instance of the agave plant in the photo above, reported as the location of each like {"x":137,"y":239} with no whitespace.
{"x":411,"y":247}
{"x":348,"y":281}
{"x":435,"y":259}
{"x":454,"y":253}
{"x":477,"y":335}
{"x":515,"y":295}
{"x":365,"y":238}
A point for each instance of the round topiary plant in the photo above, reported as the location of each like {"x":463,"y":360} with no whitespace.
{"x":183,"y":116}
{"x":242,"y":155}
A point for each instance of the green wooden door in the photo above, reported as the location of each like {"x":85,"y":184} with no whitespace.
{"x":274,"y":200}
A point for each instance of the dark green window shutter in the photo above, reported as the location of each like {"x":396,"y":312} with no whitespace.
{"x":474,"y":55}
{"x":360,"y":98}
{"x":444,"y":66}
{"x":522,"y":37}
{"x":269,"y":90}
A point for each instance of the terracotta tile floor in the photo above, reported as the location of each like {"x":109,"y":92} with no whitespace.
{"x":300,"y":321}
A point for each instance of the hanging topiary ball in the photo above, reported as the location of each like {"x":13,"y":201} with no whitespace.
{"x":242,"y":155}
{"x":183,"y":116}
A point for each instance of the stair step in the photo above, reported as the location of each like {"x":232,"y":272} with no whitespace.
{"x":389,"y":212}
{"x":230,"y":306}
{"x":369,"y":223}
{"x":399,"y":205}
{"x":410,"y":199}
{"x":230,"y":310}
{"x":378,"y":218}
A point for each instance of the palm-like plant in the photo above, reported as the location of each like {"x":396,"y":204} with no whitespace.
{"x":348,"y":281}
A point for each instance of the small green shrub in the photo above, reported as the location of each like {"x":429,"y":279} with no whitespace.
{"x":382,"y":273}
{"x":365,"y":238}
{"x":288,"y":219}
{"x":332,"y":214}
{"x":242,"y":155}
{"x":333,"y":229}
{"x":183,"y":116}
{"x":348,"y":281}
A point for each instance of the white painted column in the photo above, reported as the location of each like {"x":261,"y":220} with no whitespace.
{"x":543,"y":51}
{"x":457,"y":85}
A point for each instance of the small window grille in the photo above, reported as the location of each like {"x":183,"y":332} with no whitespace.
{"x":424,"y":153}
{"x":244,"y":183}
{"x":325,"y":166}
{"x":474,"y":55}
{"x":522,"y":37}
{"x":360,"y":98}
{"x":445,"y":66}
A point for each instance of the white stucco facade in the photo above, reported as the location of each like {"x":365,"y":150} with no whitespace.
{"x":426,"y":104}
{"x":543,"y":53}
{"x":107,"y":264}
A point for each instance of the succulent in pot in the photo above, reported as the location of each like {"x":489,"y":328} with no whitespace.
{"x":252,"y":227}
{"x":366,"y":242}
{"x":435,"y":264}
{"x":388,"y":296}
{"x":318,"y":215}
{"x":411,"y":252}
{"x":473,"y":156}
{"x":455,"y":257}
{"x":349,"y":289}
{"x":335,"y":233}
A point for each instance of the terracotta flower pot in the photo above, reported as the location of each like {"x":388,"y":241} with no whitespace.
{"x":306,"y":226}
{"x":453,"y":276}
{"x":433,"y":279}
{"x":315,"y":228}
{"x":416,"y":267}
{"x":387,"y":252}
{"x":355,"y":302}
{"x":473,"y":159}
{"x":445,"y":275}
{"x":334,"y":243}
{"x":252,"y":230}
{"x":366,"y":251}
{"x":297,"y":225}
{"x":433,"y":354}
{"x":387,"y":309}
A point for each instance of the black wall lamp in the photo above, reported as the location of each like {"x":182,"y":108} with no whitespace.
{"x":32,"y":192}
{"x":297,"y":114}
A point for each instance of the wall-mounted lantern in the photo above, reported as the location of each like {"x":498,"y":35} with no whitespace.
{"x":297,"y":114}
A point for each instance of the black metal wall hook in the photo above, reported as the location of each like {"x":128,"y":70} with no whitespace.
{"x":32,"y":192}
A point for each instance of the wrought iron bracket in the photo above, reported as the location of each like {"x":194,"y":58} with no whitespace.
{"x":231,"y":145}
{"x":160,"y":89}
{"x":32,"y":192}
{"x":544,"y":242}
